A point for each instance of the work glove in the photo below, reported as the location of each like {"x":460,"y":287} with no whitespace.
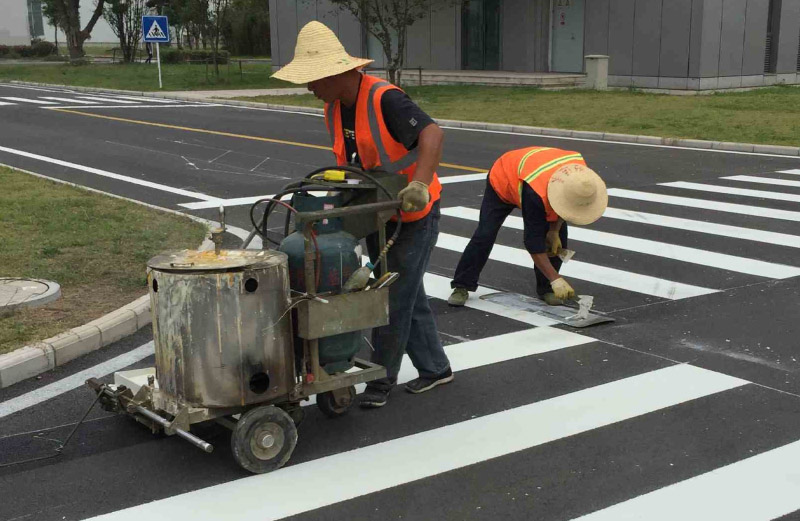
{"x":415,"y":196}
{"x":561,"y":289}
{"x":553,"y":243}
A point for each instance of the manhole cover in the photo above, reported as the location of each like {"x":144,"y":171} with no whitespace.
{"x":16,"y":293}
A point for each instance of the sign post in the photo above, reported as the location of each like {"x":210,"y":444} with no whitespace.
{"x":155,"y":29}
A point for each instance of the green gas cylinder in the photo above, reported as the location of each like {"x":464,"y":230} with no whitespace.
{"x":339,"y":260}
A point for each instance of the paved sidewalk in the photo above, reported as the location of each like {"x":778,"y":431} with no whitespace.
{"x":242,"y":93}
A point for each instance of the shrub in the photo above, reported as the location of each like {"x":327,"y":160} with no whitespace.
{"x":43,"y":49}
{"x":39,"y":49}
{"x":193,"y":56}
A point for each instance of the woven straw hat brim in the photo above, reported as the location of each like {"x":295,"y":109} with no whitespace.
{"x":306,"y":70}
{"x":563,"y":190}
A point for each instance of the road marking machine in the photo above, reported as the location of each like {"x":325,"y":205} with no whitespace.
{"x":242,"y":337}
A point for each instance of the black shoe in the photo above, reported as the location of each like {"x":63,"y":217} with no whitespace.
{"x":422,"y":384}
{"x":372,"y":398}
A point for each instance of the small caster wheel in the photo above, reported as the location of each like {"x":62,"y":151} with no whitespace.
{"x":264,"y":439}
{"x":337,"y":402}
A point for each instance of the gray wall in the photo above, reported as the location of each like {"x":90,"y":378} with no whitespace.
{"x":789,"y":35}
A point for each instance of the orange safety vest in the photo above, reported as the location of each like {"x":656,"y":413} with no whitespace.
{"x":533,"y":165}
{"x":376,"y":146}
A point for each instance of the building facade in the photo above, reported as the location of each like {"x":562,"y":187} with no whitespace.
{"x":673,"y":44}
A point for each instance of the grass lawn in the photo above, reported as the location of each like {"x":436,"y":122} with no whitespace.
{"x":769,"y":116}
{"x":142,"y":77}
{"x":96,"y":247}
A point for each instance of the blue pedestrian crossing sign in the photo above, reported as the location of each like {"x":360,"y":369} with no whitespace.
{"x":155,"y":29}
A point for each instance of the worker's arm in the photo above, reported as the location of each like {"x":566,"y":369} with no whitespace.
{"x":429,"y":146}
{"x":542,"y":261}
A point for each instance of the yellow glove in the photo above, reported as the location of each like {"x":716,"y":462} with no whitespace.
{"x":553,"y":243}
{"x":415,"y":196}
{"x":562,"y":289}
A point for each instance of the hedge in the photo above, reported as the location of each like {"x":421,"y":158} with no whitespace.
{"x":193,"y":55}
{"x":39,"y":49}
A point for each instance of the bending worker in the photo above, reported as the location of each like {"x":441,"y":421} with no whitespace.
{"x":552,"y":187}
{"x":375,"y":126}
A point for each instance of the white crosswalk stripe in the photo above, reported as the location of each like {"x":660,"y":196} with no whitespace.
{"x":107,"y":100}
{"x":691,"y":225}
{"x":746,"y":192}
{"x":602,"y":275}
{"x":706,"y":204}
{"x":70,"y":100}
{"x":28,"y":100}
{"x":432,"y":452}
{"x":143,"y":99}
{"x":660,"y":249}
{"x":6,"y":103}
{"x":792,"y":172}
{"x":763,"y":180}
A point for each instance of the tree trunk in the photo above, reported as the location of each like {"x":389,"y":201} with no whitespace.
{"x":74,"y":43}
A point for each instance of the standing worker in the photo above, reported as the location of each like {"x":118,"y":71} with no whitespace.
{"x":552,"y":187}
{"x":375,"y":125}
{"x":149,"y":48}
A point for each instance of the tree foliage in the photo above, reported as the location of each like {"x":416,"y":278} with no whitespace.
{"x":388,"y":21}
{"x":66,"y":14}
{"x":246,"y":30}
{"x":125,"y":19}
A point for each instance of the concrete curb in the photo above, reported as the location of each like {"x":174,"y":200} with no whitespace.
{"x":476,"y":125}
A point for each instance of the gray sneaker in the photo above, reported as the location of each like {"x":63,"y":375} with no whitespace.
{"x":459,"y":297}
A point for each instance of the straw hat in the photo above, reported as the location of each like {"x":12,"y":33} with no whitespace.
{"x":577,"y":194}
{"x":318,"y":54}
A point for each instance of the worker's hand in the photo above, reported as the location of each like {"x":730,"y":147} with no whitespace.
{"x":561,"y":289}
{"x":553,"y":243}
{"x":415,"y":196}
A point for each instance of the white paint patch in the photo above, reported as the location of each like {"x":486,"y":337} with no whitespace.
{"x":761,"y":194}
{"x":689,"y":225}
{"x":111,"y":175}
{"x":29,"y":100}
{"x":705,"y":204}
{"x":76,"y":380}
{"x":439,"y":287}
{"x":659,"y":249}
{"x":214,"y":203}
{"x":760,"y":488}
{"x":763,"y":180}
{"x":462,"y":178}
{"x":436,"y":451}
{"x":107,"y":100}
{"x":612,"y":277}
{"x":70,"y":100}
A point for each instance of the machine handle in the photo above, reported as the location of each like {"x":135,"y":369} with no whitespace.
{"x":303,"y":217}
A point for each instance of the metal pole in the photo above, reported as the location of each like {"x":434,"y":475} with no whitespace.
{"x":158,"y":59}
{"x":191,"y":438}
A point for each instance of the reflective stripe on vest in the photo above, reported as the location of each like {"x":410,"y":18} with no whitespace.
{"x":375,"y":130}
{"x":550,"y":165}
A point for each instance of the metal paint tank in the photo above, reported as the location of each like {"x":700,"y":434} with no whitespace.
{"x":221,"y":326}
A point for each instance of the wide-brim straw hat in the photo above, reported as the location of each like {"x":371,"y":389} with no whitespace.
{"x":318,"y":54}
{"x":577,"y":194}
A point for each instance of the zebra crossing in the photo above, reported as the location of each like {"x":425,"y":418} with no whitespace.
{"x":625,"y":250}
{"x":77,"y":99}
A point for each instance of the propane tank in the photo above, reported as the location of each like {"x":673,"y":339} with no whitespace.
{"x":338,"y":260}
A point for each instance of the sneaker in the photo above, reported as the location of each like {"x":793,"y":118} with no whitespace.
{"x":372,"y":398}
{"x":422,"y":384}
{"x":552,"y":300}
{"x":458,"y":297}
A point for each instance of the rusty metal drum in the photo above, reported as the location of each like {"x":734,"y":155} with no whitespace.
{"x":221,"y":326}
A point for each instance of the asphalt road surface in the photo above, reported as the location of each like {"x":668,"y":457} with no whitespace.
{"x":686,"y":407}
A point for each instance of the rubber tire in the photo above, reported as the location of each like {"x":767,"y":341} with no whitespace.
{"x":247,"y":427}
{"x":330,"y":408}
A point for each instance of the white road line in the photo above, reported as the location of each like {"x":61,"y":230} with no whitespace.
{"x":462,"y":178}
{"x":763,"y":487}
{"x":227,"y":203}
{"x":179,"y":106}
{"x":626,"y":280}
{"x":70,"y":100}
{"x":436,"y":451}
{"x":28,"y":100}
{"x":705,"y":204}
{"x":690,"y":225}
{"x":26,"y":87}
{"x":107,"y":100}
{"x":776,"y":196}
{"x":76,"y":380}
{"x":659,"y":249}
{"x":763,"y":180}
{"x":6,"y":103}
{"x":104,"y":173}
{"x":792,"y":172}
{"x":143,"y":98}
{"x":438,"y":286}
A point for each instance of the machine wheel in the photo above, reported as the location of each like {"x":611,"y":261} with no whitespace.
{"x":336,"y":403}
{"x":264,"y":439}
